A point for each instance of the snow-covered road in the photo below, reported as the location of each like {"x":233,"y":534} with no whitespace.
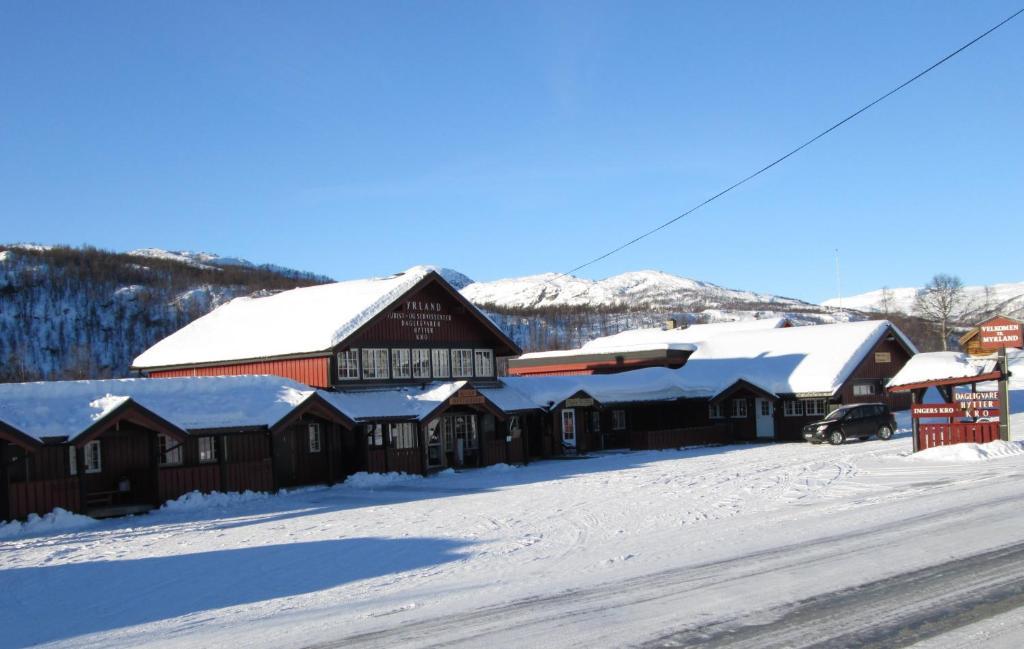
{"x":758,"y":545}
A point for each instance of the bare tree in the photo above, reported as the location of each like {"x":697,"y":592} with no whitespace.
{"x":886,"y":302}
{"x":942,"y":301}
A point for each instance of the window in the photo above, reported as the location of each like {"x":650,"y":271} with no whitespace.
{"x":375,"y":435}
{"x":72,"y":460}
{"x":439,"y":358}
{"x":483,"y":360}
{"x":766,"y":408}
{"x":863,"y":389}
{"x":883,"y":357}
{"x":93,"y":457}
{"x":791,"y":408}
{"x":421,"y":363}
{"x":375,"y":363}
{"x":815,"y":407}
{"x":403,"y":435}
{"x":618,"y":420}
{"x":739,"y":408}
{"x":462,"y":363}
{"x":170,"y":450}
{"x":313,"y":434}
{"x":348,"y":365}
{"x":569,"y":426}
{"x":448,"y":434}
{"x":514,"y":426}
{"x":715,"y":411}
{"x":207,"y":449}
{"x":472,"y":436}
{"x":595,"y":421}
{"x":401,"y":367}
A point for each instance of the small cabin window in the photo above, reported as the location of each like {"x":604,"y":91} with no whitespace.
{"x":514,"y":426}
{"x":421,"y":363}
{"x":348,"y":365}
{"x":484,"y":362}
{"x":313,"y":433}
{"x":439,"y":360}
{"x":569,"y":425}
{"x":863,"y":389}
{"x":403,"y":435}
{"x":72,"y":460}
{"x":170,"y":450}
{"x":815,"y":407}
{"x":207,"y":449}
{"x":462,"y":363}
{"x":375,"y":435}
{"x":595,"y":421}
{"x":618,"y":420}
{"x":93,"y":457}
{"x":739,"y":408}
{"x":401,"y":364}
{"x":883,"y":357}
{"x":715,"y":411}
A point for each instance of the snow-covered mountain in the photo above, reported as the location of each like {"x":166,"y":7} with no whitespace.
{"x":639,"y":289}
{"x":1007,"y":299}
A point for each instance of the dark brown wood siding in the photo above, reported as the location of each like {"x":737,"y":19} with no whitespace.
{"x":871,"y":371}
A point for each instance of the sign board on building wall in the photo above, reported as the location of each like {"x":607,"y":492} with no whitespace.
{"x":936,"y":410}
{"x":1000,"y":333}
{"x":579,"y":403}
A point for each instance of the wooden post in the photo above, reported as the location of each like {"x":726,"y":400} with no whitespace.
{"x":915,"y":399}
{"x":329,"y":449}
{"x":1004,"y":396}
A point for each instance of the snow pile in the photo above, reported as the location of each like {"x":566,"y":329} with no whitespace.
{"x":59,"y":520}
{"x":363,"y":480}
{"x":970,"y":452}
{"x":197,"y":501}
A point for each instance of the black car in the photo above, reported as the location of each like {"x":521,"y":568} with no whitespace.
{"x":860,"y":420}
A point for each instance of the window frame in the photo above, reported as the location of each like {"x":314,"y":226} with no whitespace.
{"x":738,"y":412}
{"x":440,"y":354}
{"x":819,"y":409}
{"x":173,"y":457}
{"x":715,"y":410}
{"x":314,"y":439}
{"x":861,"y":386}
{"x":793,"y":408}
{"x":377,"y":372}
{"x":462,"y":363}
{"x":402,"y":435}
{"x":72,"y":460}
{"x":344,"y":361}
{"x":424,"y":361}
{"x":89,"y":467}
{"x":488,"y":369}
{"x":211,"y":452}
{"x":396,"y":363}
{"x":618,"y":420}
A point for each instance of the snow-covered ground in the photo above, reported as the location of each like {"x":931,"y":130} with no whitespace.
{"x":660,"y":548}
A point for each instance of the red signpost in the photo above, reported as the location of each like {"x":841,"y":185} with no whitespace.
{"x":929,"y":410}
{"x":1001,"y":332}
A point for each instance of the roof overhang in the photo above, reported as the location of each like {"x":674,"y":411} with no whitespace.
{"x":598,"y":361}
{"x":317,"y":406}
{"x":935,"y":383}
{"x":14,"y":436}
{"x":130,"y":411}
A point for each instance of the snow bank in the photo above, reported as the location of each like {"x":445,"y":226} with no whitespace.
{"x":970,"y":452}
{"x":59,"y":520}
{"x":197,"y":501}
{"x":363,"y":480}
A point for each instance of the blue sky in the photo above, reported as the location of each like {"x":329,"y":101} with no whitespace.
{"x":506,"y":139}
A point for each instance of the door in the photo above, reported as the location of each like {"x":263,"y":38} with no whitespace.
{"x":569,"y":429}
{"x":435,"y":456}
{"x":765,"y":418}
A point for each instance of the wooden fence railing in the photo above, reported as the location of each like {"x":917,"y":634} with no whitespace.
{"x":931,"y":435}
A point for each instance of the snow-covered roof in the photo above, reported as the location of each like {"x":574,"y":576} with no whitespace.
{"x":940,"y":366}
{"x":654,"y":339}
{"x":69,"y":408}
{"x":648,"y":384}
{"x":302,"y":320}
{"x":414,"y":402}
{"x":815,"y":359}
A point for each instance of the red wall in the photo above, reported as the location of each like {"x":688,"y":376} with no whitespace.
{"x":311,"y":371}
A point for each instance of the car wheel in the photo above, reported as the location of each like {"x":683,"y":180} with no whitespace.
{"x":835,"y":438}
{"x":884,"y":432}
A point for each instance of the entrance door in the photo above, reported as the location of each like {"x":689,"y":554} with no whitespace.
{"x":764,"y":415}
{"x":435,"y":456}
{"x":569,"y":429}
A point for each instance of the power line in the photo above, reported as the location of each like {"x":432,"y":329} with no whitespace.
{"x":794,"y":151}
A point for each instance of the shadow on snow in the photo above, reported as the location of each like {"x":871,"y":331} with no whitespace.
{"x":76,"y":599}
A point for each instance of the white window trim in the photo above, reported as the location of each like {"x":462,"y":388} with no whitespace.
{"x":489,"y":369}
{"x":377,"y":354}
{"x":313,"y":440}
{"x":174,"y":457}
{"x":89,"y":468}
{"x":358,"y":366}
{"x":396,"y":363}
{"x":736,"y":414}
{"x":871,"y":389}
{"x":212,"y":449}
{"x":715,"y":411}
{"x":569,"y":415}
{"x":72,"y":460}
{"x":458,"y":371}
{"x":412,"y":362}
{"x":440,"y":354}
